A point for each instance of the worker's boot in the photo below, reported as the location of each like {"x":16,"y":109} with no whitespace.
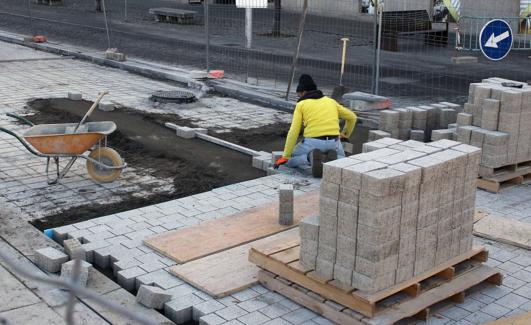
{"x":316,"y":160}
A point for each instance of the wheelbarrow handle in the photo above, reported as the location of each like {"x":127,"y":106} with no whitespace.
{"x":92,"y":108}
{"x":22,"y":141}
{"x":21,"y":119}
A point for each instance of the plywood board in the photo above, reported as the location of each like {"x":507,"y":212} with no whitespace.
{"x":504,"y":230}
{"x":229,"y":271}
{"x":190,"y":243}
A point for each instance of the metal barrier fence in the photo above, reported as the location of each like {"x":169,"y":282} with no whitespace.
{"x":75,"y":291}
{"x":470,"y":28}
{"x":415,"y":64}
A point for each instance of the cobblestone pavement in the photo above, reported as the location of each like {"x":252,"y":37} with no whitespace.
{"x":513,"y":202}
{"x":24,"y":76}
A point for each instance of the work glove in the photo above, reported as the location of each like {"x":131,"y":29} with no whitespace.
{"x":281,"y":161}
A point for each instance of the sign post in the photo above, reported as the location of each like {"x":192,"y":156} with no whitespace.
{"x":496,"y":39}
{"x":249,"y":5}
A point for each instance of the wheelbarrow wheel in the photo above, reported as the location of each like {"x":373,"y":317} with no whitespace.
{"x":106,"y":156}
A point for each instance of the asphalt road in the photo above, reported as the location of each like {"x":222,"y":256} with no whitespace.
{"x":416,"y":71}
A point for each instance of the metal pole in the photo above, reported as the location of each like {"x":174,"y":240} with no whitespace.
{"x":125,"y":10}
{"x":375,"y":13}
{"x":249,"y":26}
{"x":297,"y":49}
{"x":30,"y":18}
{"x":106,"y":24}
{"x":377,"y":81}
{"x":207,"y":34}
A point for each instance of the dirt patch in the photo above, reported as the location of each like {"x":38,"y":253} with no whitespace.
{"x":266,"y":138}
{"x":151,"y":149}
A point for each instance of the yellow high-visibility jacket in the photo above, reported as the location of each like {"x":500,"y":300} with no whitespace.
{"x":320,"y":118}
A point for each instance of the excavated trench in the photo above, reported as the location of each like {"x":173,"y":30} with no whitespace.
{"x":194,"y":166}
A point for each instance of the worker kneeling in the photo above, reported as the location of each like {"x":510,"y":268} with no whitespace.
{"x":320,"y":116}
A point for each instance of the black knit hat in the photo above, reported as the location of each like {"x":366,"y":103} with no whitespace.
{"x":306,"y":83}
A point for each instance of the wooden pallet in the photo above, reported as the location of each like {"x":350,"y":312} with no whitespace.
{"x":283,"y":261}
{"x":495,"y":179}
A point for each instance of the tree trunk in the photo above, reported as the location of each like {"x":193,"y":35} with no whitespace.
{"x":277,"y":17}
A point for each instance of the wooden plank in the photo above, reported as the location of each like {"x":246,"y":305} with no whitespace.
{"x":447,"y":273}
{"x":226,"y":272}
{"x":228,"y":232}
{"x":505,"y":230}
{"x":458,"y":298}
{"x":287,"y":256}
{"x":489,"y":186}
{"x":523,"y":319}
{"x":375,"y":297}
{"x":411,"y":307}
{"x":413,"y":290}
{"x":330,"y":292}
{"x":299,"y":297}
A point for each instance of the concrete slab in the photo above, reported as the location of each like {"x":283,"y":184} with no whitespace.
{"x":13,"y":294}
{"x":34,"y":314}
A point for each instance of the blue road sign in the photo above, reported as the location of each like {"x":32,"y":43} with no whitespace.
{"x":496,"y":39}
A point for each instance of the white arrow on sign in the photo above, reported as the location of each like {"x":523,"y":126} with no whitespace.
{"x":494,"y":40}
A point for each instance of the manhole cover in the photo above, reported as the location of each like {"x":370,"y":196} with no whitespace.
{"x":173,"y":96}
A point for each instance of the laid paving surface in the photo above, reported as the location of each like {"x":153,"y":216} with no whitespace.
{"x":116,"y":240}
{"x":513,"y":202}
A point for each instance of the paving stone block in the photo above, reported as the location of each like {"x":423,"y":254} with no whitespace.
{"x":75,"y":95}
{"x":464,"y":119}
{"x":447,"y":116}
{"x":443,"y":134}
{"x":332,"y":171}
{"x":74,"y":249}
{"x":286,"y":204}
{"x":348,"y":195}
{"x":383,"y":182}
{"x":325,"y":268}
{"x":211,"y":319}
{"x":179,"y":309}
{"x":231,"y":312}
{"x":309,"y":228}
{"x":377,"y":252}
{"x":329,"y":190}
{"x":50,"y":259}
{"x":352,"y":176}
{"x":378,"y":134}
{"x":126,"y":278}
{"x":378,"y":219}
{"x":417,"y":135}
{"x":152,"y":297}
{"x":206,"y":308}
{"x":67,"y":272}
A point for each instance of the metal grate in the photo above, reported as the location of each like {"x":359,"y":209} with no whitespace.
{"x":173,"y":96}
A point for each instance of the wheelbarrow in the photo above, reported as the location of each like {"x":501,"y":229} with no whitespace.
{"x":73,"y":140}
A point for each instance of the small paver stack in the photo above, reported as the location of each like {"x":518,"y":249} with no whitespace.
{"x":415,"y":123}
{"x":393,"y":212}
{"x":498,"y":120}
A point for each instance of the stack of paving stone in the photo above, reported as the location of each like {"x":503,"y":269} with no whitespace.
{"x":498,"y":120}
{"x":415,"y":123}
{"x":395,"y":211}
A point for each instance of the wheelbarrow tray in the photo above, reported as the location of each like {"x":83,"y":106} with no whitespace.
{"x":59,"y":138}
